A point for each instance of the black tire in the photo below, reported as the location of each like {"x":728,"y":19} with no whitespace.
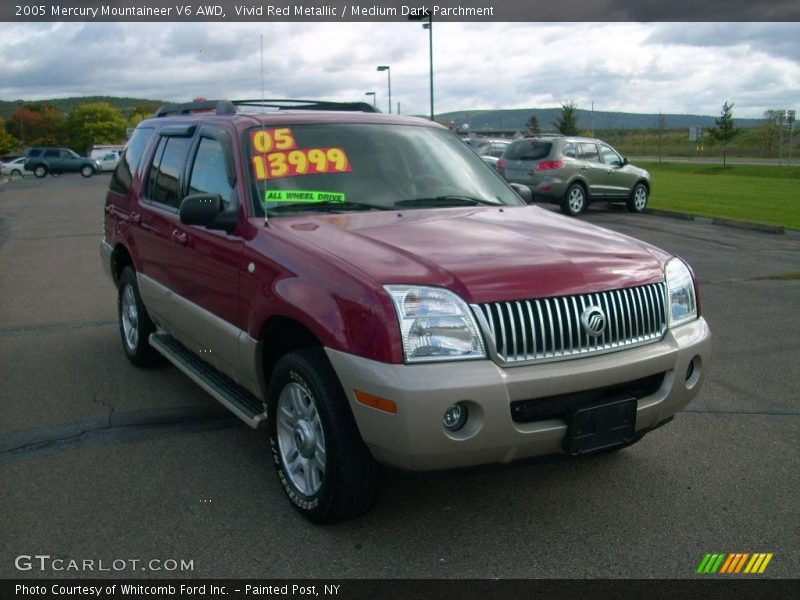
{"x":40,"y":171}
{"x":574,"y":201}
{"x":637,"y":201}
{"x":87,"y":171}
{"x":16,"y":173}
{"x":134,"y":329}
{"x":308,"y":411}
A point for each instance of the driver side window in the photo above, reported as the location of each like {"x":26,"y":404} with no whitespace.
{"x":209,"y":172}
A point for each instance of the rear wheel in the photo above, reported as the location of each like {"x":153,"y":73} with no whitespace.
{"x":16,"y":173}
{"x":574,"y":201}
{"x":323,"y":465}
{"x":135,"y":325}
{"x":87,"y":171}
{"x":40,"y":171}
{"x":638,"y":198}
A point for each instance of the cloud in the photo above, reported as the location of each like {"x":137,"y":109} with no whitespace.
{"x":633,"y":67}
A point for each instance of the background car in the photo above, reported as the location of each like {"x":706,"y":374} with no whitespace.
{"x":108,"y":162}
{"x":15,"y":168}
{"x":573,"y":171}
{"x":492,"y":150}
{"x":55,"y":161}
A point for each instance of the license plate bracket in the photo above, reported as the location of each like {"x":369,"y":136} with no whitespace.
{"x":601,"y":427}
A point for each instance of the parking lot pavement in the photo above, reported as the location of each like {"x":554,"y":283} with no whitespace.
{"x":100,"y":460}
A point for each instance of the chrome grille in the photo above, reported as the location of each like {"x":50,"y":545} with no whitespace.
{"x":550,"y":328}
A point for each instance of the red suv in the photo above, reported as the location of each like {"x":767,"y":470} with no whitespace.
{"x":369,"y":291}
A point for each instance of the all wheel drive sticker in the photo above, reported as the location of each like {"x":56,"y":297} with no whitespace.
{"x":277,"y":156}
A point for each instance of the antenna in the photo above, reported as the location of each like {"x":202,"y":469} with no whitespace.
{"x":263,"y":127}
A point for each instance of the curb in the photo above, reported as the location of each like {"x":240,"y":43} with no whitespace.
{"x":773,"y":229}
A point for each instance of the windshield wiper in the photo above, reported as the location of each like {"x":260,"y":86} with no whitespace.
{"x":325,"y":207}
{"x":448,"y":200}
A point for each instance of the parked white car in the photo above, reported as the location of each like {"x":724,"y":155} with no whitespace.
{"x":15,"y":168}
{"x":108,"y":162}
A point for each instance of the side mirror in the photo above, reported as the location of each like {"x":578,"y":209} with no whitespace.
{"x":625,"y":161}
{"x":523,"y":191}
{"x":200,"y":209}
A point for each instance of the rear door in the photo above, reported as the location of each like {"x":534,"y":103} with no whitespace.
{"x":593,"y":170}
{"x":155,"y":216}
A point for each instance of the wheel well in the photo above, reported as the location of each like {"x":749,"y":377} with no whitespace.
{"x":644,"y":183}
{"x":120,"y":258}
{"x":282,"y":335}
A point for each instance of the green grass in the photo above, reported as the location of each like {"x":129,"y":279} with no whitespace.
{"x":760,"y":194}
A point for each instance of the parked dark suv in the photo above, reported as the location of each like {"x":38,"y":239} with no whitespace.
{"x":57,"y":161}
{"x":573,"y":171}
{"x":366,"y":289}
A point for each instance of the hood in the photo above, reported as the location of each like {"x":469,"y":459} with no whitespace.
{"x":484,"y":254}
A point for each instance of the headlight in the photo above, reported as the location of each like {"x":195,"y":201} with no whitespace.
{"x":435,"y":324}
{"x":680,"y":292}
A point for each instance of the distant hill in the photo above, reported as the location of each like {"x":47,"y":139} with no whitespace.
{"x":515,"y":119}
{"x":126,"y":105}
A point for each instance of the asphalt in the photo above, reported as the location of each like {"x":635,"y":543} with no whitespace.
{"x":100,"y":460}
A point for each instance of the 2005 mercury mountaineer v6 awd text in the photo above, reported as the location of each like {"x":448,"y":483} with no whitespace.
{"x":369,"y":291}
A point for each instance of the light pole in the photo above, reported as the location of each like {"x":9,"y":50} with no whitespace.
{"x":418,"y":15}
{"x":389,"y":75}
{"x":21,"y":125}
{"x":429,"y":27}
{"x":373,"y":97}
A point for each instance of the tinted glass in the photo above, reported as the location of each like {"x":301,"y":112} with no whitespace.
{"x":380,"y":166}
{"x":130,"y":159}
{"x":588,"y":152}
{"x":608,"y":156}
{"x":528,"y":150}
{"x":166,"y":187}
{"x":570,"y":150}
{"x":51,"y":153}
{"x":209,"y":173}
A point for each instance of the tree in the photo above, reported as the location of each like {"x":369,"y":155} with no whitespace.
{"x":567,"y":123}
{"x":533,"y":125}
{"x":37,"y":125}
{"x":724,"y":131}
{"x":95,"y":123}
{"x":7,"y":141}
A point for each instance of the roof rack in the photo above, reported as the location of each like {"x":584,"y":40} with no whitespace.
{"x":222,"y":107}
{"x":284,"y":104}
{"x":228,"y":107}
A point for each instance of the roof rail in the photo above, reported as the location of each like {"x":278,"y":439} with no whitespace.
{"x":222,"y":107}
{"x":284,"y":104}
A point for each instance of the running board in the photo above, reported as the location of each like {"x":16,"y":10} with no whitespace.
{"x":233,"y":396}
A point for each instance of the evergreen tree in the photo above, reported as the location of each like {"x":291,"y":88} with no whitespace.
{"x":724,"y":131}
{"x":567,"y":123}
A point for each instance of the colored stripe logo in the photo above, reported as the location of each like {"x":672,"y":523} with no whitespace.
{"x":734,"y":563}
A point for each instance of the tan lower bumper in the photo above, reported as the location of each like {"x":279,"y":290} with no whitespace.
{"x":413,"y":438}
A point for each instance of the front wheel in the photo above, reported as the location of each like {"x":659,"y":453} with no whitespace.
{"x":574,"y":201}
{"x":40,"y":171}
{"x":87,"y":171}
{"x":323,"y":465}
{"x":16,"y":173}
{"x":638,"y":199}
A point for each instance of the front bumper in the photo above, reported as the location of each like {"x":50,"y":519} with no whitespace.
{"x":413,"y":438}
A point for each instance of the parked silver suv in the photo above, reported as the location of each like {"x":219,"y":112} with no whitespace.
{"x":574,"y":171}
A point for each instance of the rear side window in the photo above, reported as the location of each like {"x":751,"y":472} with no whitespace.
{"x":588,"y":152}
{"x":165,"y":174}
{"x":527,"y":150}
{"x":51,"y":153}
{"x":130,"y":159}
{"x":209,"y":173}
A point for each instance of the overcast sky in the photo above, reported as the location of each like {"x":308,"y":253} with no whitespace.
{"x":631,"y":67}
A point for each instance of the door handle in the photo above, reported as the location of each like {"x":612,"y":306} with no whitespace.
{"x":179,"y":237}
{"x":108,"y":209}
{"x":136,"y":218}
{"x":584,"y":168}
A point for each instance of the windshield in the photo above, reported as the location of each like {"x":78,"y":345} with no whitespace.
{"x":347,"y":167}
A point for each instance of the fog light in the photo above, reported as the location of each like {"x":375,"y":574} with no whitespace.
{"x":455,"y":416}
